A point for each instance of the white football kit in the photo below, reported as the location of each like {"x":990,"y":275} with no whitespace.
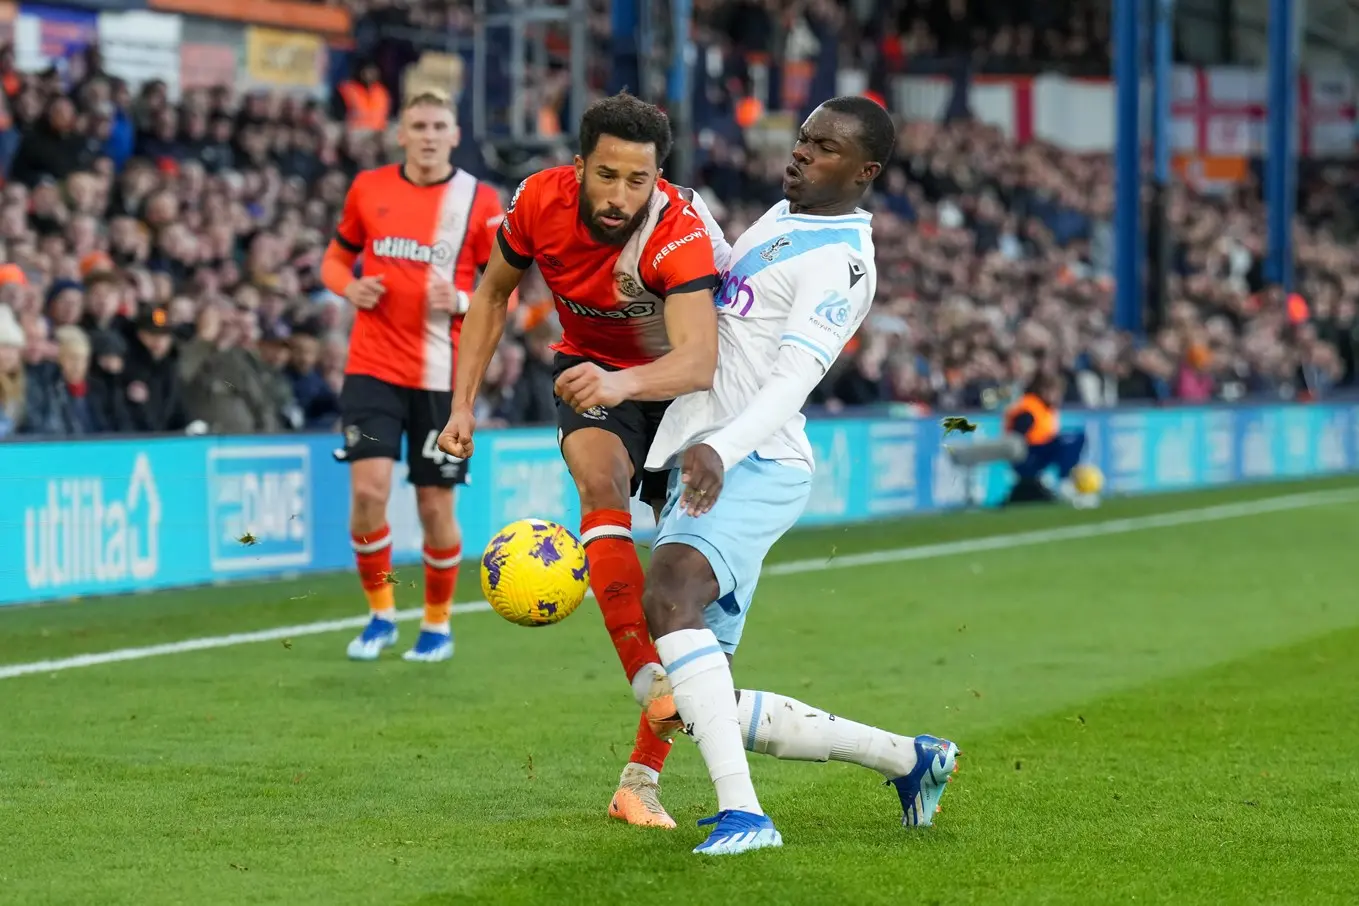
{"x":795,"y":288}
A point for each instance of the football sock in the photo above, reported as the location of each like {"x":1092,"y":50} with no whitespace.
{"x":373,"y":552}
{"x":786,"y":728}
{"x":649,"y":750}
{"x":616,"y":579}
{"x":649,"y":772}
{"x":441,"y":576}
{"x":706,"y":700}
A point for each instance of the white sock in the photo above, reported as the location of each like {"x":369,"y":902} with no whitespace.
{"x":641,"y":683}
{"x":388,"y":614}
{"x":786,"y":728}
{"x":444,"y":627}
{"x":705,"y":697}
{"x":633,"y":767}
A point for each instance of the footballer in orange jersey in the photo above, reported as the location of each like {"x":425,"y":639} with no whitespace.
{"x":423,"y":230}
{"x":631,"y":268}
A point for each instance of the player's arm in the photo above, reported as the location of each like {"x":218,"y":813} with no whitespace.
{"x":337,"y":265}
{"x":827,"y":310}
{"x":485,"y":320}
{"x":691,"y":326}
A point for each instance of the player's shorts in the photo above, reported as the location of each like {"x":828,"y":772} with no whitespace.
{"x":376,"y":415}
{"x":760,"y":500}
{"x":634,"y":423}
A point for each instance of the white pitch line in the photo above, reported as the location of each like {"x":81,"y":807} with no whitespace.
{"x":900,"y":555}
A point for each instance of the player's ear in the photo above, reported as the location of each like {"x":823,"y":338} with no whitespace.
{"x":869,"y":172}
{"x":580,"y":169}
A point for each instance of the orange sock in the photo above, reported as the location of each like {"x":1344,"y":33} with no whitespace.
{"x":649,"y":749}
{"x":441,"y":576}
{"x":616,"y":578}
{"x":373,"y":551}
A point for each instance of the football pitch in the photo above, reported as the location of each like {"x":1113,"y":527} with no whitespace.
{"x":1156,"y":701}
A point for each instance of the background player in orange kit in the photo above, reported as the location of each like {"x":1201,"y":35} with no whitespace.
{"x":424,"y":230}
{"x":631,"y":268}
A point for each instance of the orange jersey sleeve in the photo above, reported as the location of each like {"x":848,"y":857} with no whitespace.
{"x":679,"y":254}
{"x":521,"y":218}
{"x":349,"y":232}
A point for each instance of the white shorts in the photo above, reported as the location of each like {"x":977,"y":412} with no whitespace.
{"x":761,"y":499}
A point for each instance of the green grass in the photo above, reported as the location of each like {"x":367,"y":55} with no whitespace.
{"x":1162,"y":716}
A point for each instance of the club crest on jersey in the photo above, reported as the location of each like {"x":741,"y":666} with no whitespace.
{"x":595,"y":412}
{"x":628,"y":285}
{"x":403,"y":249}
{"x":775,"y":247}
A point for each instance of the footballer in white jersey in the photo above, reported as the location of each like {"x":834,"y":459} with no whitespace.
{"x":796,"y":287}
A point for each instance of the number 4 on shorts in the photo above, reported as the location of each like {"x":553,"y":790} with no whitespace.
{"x":432,"y":452}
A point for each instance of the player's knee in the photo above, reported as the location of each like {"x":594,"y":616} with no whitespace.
{"x":369,"y":493}
{"x":679,"y":586}
{"x":603,"y":486}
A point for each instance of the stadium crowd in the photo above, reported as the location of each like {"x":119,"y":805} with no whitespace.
{"x":158,"y":261}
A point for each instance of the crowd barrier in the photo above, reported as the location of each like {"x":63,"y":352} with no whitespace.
{"x":108,"y":516}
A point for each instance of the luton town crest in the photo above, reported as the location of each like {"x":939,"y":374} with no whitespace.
{"x":628,"y":286}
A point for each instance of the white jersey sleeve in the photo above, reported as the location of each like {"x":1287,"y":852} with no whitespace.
{"x":721,"y":247}
{"x":835,"y":289}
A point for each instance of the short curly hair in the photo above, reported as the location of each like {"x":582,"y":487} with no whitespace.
{"x":877,"y":134}
{"x":628,"y":118}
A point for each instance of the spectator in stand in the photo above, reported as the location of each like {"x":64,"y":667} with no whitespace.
{"x":318,"y":400}
{"x":52,"y":149}
{"x":58,"y":402}
{"x":131,"y":216}
{"x":151,"y":376}
{"x":13,"y":386}
{"x":363,"y":102}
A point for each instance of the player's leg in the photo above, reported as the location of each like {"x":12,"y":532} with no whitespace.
{"x":918,"y":767}
{"x":435,"y":475}
{"x":602,"y":470}
{"x":603,"y":450}
{"x":372,"y":412}
{"x":773,"y":724}
{"x":699,"y":588}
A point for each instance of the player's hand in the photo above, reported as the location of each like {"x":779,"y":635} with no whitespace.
{"x":456,"y":439}
{"x":702,"y":474}
{"x":443,"y":297}
{"x":587,"y":385}
{"x":366,"y":292}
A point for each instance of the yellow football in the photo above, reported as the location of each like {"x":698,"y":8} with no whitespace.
{"x":534,"y":572}
{"x":1087,"y":479}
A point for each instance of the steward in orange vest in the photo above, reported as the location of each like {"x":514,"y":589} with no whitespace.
{"x":367,"y":103}
{"x":1035,"y":417}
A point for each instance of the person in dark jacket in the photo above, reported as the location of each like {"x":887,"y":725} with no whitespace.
{"x":151,"y":376}
{"x":320,"y":404}
{"x":59,"y":403}
{"x":107,"y":393}
{"x":53,"y":148}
